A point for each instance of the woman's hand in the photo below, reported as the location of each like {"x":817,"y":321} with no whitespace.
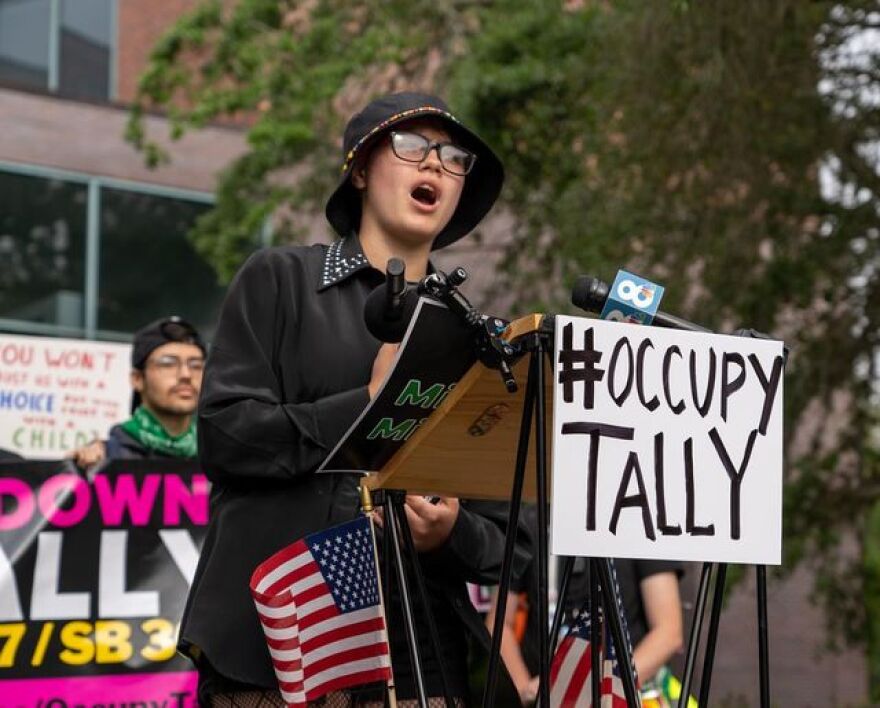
{"x":381,"y":366}
{"x":430,"y":524}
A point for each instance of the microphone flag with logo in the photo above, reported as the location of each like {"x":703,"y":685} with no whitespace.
{"x":319,"y":604}
{"x":632,"y":299}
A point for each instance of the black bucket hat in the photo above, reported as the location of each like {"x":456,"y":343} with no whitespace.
{"x":482,"y":184}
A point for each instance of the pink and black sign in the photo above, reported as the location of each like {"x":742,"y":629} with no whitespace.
{"x":94,"y":574}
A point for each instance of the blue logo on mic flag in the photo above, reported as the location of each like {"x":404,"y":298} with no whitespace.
{"x":632,"y":299}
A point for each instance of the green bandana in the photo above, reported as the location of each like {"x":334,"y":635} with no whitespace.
{"x":148,"y":431}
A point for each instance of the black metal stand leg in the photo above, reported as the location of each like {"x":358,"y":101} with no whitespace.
{"x":595,"y":634}
{"x":543,"y":555}
{"x":522,"y":452}
{"x":398,"y":500}
{"x":415,"y":657}
{"x":385,"y":579}
{"x":712,"y":636}
{"x":696,"y":630}
{"x":564,"y":581}
{"x":763,"y":641}
{"x":379,"y":499}
{"x":613,"y":612}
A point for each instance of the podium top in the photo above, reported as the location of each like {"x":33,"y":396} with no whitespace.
{"x":467,"y":447}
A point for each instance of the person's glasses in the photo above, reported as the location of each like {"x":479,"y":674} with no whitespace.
{"x":168,"y":363}
{"x":412,"y":147}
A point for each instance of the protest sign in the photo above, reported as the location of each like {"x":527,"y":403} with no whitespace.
{"x":59,"y":394}
{"x":666,"y":444}
{"x":94,"y":574}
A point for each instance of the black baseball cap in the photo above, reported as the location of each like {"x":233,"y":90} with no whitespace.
{"x":481,"y":186}
{"x":163,"y":331}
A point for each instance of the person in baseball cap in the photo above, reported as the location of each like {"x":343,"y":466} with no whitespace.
{"x":167,"y":361}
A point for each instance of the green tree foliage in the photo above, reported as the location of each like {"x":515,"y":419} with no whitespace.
{"x":728,"y":149}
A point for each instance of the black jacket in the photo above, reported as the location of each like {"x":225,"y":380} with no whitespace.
{"x":285,"y":378}
{"x":122,"y":446}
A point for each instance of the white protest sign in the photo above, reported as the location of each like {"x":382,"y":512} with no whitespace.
{"x":58,"y":394}
{"x":666,"y":444}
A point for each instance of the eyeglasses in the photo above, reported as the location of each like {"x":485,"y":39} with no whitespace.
{"x":412,"y":147}
{"x":168,"y":363}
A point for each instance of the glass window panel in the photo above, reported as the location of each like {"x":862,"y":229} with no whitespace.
{"x":24,"y":42}
{"x":84,"y":70}
{"x":42,"y":249}
{"x":149,"y":269}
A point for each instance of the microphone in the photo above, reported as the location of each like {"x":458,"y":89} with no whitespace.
{"x":590,"y":294}
{"x":395,"y":288}
{"x":390,"y":306}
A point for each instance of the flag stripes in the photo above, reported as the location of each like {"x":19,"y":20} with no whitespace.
{"x":318,"y":604}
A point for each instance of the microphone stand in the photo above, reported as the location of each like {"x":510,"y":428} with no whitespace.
{"x":492,"y":351}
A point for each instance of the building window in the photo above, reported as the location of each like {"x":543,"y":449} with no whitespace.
{"x":62,"y":46}
{"x":94,"y":257}
{"x":24,"y":42}
{"x":42,"y":250}
{"x":149,"y":269}
{"x":84,"y":48}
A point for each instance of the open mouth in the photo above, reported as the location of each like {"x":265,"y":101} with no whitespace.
{"x":425,"y":194}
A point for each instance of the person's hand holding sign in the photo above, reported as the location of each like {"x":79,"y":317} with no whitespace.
{"x":89,"y":454}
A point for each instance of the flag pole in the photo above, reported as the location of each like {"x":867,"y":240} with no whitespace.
{"x":367,"y":509}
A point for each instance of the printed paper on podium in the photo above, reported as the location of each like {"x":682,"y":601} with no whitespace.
{"x":442,"y":423}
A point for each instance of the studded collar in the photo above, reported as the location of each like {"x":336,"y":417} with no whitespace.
{"x":343,"y":258}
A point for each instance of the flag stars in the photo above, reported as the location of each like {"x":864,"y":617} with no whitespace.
{"x":348,"y":566}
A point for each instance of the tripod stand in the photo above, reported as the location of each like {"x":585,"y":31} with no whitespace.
{"x":719,"y":570}
{"x":535,"y":403}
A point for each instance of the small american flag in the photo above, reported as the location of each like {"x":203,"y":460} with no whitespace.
{"x":319,"y":604}
{"x":612,"y":693}
{"x":570,"y":670}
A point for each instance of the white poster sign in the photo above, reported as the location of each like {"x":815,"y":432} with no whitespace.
{"x":58,"y":394}
{"x":666,"y":444}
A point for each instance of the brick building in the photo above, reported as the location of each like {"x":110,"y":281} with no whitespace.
{"x":93,"y":244}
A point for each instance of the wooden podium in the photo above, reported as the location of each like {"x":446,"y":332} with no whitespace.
{"x":477,"y":444}
{"x":478,"y":422}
